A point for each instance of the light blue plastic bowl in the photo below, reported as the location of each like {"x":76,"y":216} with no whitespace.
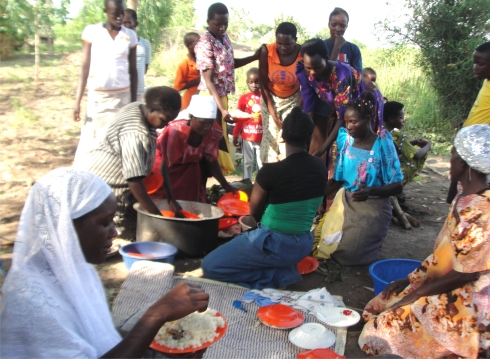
{"x":161,"y":252}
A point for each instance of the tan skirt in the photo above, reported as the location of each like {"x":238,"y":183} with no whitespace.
{"x":272,"y":147}
{"x":101,"y":107}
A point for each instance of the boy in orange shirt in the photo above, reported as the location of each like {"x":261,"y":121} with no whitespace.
{"x":250,"y":130}
{"x":187,"y":77}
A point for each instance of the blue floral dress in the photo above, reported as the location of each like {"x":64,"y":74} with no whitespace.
{"x":374,"y":168}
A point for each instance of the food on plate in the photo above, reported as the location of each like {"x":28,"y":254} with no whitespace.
{"x":347,"y":312}
{"x":239,"y":114}
{"x":191,"y":331}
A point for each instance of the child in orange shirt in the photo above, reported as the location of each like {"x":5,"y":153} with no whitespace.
{"x":250,"y":130}
{"x":187,"y":77}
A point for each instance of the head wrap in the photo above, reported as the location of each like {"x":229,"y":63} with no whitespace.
{"x":202,"y":107}
{"x":54,"y":304}
{"x":473,"y":145}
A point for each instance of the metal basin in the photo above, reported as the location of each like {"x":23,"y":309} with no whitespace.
{"x":194,"y":237}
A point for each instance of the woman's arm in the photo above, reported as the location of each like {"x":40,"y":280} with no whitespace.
{"x":423,"y":151}
{"x":384,"y":191}
{"x":258,"y":199}
{"x":182,"y":300}
{"x":264,"y":86}
{"x":338,"y":43}
{"x":246,"y":60}
{"x":208,"y":79}
{"x":450,"y":281}
{"x":82,"y":78}
{"x":133,"y":73}
{"x":333,"y":186}
{"x":330,"y":139}
{"x":216,"y":172}
{"x":138,"y":189}
{"x":167,"y":186}
{"x":452,"y":192}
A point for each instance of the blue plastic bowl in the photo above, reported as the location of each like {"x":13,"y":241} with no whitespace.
{"x":388,"y":270}
{"x":160,"y":252}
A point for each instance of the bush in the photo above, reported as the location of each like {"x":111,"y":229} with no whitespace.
{"x":447,"y":32}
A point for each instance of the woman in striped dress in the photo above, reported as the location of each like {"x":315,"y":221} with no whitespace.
{"x":125,"y":154}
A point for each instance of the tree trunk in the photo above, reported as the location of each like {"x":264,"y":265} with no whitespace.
{"x":50,"y":45}
{"x":36,"y":51}
{"x":132,"y":4}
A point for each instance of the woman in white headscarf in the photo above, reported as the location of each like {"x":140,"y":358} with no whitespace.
{"x":442,"y":308}
{"x":53,"y":303}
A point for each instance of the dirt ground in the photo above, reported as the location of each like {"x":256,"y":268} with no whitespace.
{"x":37,"y":134}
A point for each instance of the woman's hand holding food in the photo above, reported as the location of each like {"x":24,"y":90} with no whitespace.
{"x":182,"y":300}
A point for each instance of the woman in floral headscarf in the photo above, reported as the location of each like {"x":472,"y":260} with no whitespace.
{"x":442,"y":308}
{"x":326,"y":89}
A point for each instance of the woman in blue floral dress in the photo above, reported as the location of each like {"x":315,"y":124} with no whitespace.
{"x":367,"y":173}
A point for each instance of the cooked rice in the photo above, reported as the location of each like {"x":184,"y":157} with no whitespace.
{"x":198,"y":328}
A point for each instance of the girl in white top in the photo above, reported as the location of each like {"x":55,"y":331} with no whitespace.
{"x":107,"y":49}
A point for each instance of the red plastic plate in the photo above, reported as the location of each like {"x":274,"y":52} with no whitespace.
{"x":164,"y":349}
{"x":307,"y":265}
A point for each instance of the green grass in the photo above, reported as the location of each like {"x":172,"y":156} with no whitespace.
{"x":23,"y":116}
{"x":400,"y":78}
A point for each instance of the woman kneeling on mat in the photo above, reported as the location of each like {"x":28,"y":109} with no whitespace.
{"x":368,"y":171}
{"x":284,"y":199}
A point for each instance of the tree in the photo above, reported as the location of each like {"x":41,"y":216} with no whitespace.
{"x":447,"y":32}
{"x":183,"y":13}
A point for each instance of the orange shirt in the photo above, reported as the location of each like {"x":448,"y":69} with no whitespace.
{"x":282,"y":79}
{"x":186,"y":72}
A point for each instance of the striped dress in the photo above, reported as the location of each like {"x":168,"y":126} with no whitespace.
{"x":126,"y":150}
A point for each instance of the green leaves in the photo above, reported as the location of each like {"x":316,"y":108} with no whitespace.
{"x":447,"y":32}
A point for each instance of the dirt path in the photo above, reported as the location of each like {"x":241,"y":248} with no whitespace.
{"x":38,"y":135}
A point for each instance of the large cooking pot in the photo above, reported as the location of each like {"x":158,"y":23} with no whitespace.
{"x":194,"y":237}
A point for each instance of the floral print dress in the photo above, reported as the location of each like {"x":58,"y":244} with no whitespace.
{"x":343,"y":86}
{"x":217,"y":55}
{"x":452,"y":324}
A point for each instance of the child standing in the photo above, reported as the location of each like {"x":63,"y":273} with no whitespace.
{"x":187,"y":77}
{"x":250,"y":130}
{"x":143,"y":52}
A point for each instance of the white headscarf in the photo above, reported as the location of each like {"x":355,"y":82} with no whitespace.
{"x":53,"y":303}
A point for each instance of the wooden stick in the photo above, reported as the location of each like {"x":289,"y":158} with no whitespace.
{"x":413,"y":221}
{"x":399,"y":213}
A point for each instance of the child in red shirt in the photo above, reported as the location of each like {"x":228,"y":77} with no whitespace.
{"x":250,"y":130}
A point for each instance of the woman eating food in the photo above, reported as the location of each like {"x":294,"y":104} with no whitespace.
{"x":285,"y":204}
{"x":187,"y":153}
{"x":367,"y":173}
{"x":280,"y":89}
{"x":441,"y":309}
{"x":125,"y":154}
{"x":53,"y":303}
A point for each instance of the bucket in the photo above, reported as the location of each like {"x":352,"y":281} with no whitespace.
{"x":388,"y":270}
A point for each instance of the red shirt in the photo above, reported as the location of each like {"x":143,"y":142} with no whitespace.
{"x":252,"y":129}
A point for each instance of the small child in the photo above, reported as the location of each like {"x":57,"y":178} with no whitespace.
{"x":143,"y":52}
{"x":369,"y":81}
{"x":250,"y":130}
{"x":187,"y":76}
{"x":412,"y":159}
